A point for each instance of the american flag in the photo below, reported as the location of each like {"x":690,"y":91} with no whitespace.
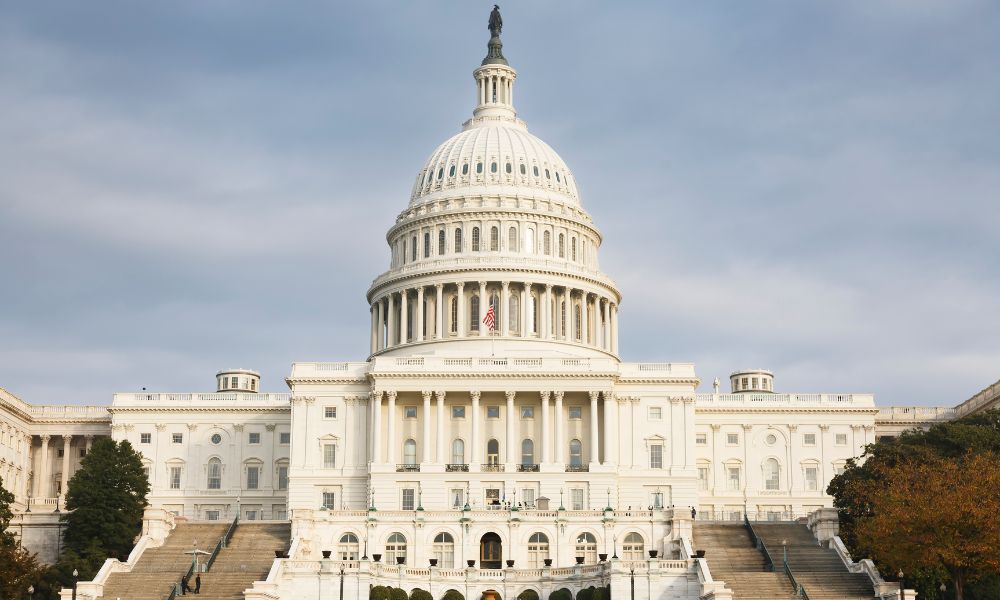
{"x":490,"y":319}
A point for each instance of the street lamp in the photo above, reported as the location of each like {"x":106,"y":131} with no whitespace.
{"x":31,"y":592}
{"x":75,"y":575}
{"x":784,"y":550}
{"x":900,"y":576}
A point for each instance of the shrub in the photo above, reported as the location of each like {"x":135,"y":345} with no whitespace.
{"x":453,"y":595}
{"x":561,"y":594}
{"x":379,"y":592}
{"x":528,"y":595}
{"x":419,"y":594}
{"x":585,"y":594}
{"x":397,"y":594}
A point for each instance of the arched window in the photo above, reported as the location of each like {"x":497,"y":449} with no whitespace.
{"x":493,"y":167}
{"x":508,"y":168}
{"x":575,"y":453}
{"x":348,"y":548}
{"x":493,"y":452}
{"x":409,"y":452}
{"x":538,"y":550}
{"x":444,"y":550}
{"x":474,"y":313}
{"x":577,"y":322}
{"x":533,"y":313}
{"x":479,"y":167}
{"x":427,"y":245}
{"x":495,"y":303}
{"x":465,"y":169}
{"x":562,"y":246}
{"x":514,"y":312}
{"x":214,"y":472}
{"x":413,"y":248}
{"x":453,"y":327}
{"x":458,"y":452}
{"x":523,"y":171}
{"x":563,"y":322}
{"x":772,"y":474}
{"x":441,"y":241}
{"x":633,"y":548}
{"x":512,"y":239}
{"x":527,"y":452}
{"x":547,"y":243}
{"x":494,"y":239}
{"x":395,"y":547}
{"x":475,"y":239}
{"x":535,"y":170}
{"x":440,"y":173}
{"x":586,"y":546}
{"x":458,"y":240}
{"x":529,"y":241}
{"x":572,"y":249}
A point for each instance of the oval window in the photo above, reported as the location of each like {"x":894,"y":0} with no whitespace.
{"x":493,"y":167}
{"x":547,"y":174}
{"x":465,"y":169}
{"x":522,"y":170}
{"x":535,"y":170}
{"x":557,"y":175}
{"x":771,"y":439}
{"x":440,"y":173}
{"x":451,"y":171}
{"x":508,"y":168}
{"x":479,"y":167}
{"x":216,"y":438}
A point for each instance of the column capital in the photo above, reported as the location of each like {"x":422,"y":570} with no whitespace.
{"x":482,"y":284}
{"x":193,"y":427}
{"x":269,"y":426}
{"x":548,"y":287}
{"x":391,"y":394}
{"x":715,"y":426}
{"x":510,"y":395}
{"x":505,"y":284}
{"x":793,"y":428}
{"x":475,"y":394}
{"x":159,"y":426}
{"x":545,"y":396}
{"x":375,"y":395}
{"x":824,"y":428}
{"x":45,"y":438}
{"x":440,"y":395}
{"x":439,"y":286}
{"x":426,"y":395}
{"x":747,"y":427}
{"x":594,"y":395}
{"x":67,"y":439}
{"x":558,"y":396}
{"x":238,"y":427}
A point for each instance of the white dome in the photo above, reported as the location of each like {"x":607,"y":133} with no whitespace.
{"x":495,"y":156}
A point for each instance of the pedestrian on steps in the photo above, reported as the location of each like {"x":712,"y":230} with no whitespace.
{"x":197,"y":583}
{"x":185,"y":588}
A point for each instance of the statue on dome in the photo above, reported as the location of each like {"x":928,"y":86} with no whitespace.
{"x":496,"y":23}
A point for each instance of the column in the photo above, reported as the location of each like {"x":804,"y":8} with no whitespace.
{"x":511,"y":436}
{"x":566,"y":315}
{"x":374,"y":343}
{"x":614,"y":328}
{"x":419,"y":333}
{"x":525,"y":294}
{"x":505,"y":306}
{"x":547,"y":311}
{"x":474,"y":439}
{"x":584,"y":318}
{"x":439,"y":309}
{"x":461,"y":309}
{"x":391,"y":433}
{"x":404,"y":315}
{"x":67,"y":440}
{"x":42,"y":484}
{"x":441,"y":456}
{"x":610,"y":429}
{"x":381,"y":324}
{"x":718,"y":477}
{"x":391,"y":338}
{"x":560,"y":421}
{"x":90,"y":442}
{"x":606,"y":331}
{"x":594,"y":442}
{"x":482,"y":307}
{"x":425,"y":417}
{"x":791,"y":457}
{"x":546,"y":457}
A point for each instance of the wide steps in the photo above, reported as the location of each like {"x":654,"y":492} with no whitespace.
{"x":247,"y":558}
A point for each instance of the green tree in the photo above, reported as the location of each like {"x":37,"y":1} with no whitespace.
{"x":585,"y":594}
{"x":105,"y":499}
{"x":379,"y":592}
{"x":528,"y":595}
{"x":453,"y":595}
{"x":419,"y":594}
{"x":561,"y":594}
{"x":397,"y":594}
{"x":18,"y":567}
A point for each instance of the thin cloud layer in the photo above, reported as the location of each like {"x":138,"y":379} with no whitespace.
{"x":807,"y":188}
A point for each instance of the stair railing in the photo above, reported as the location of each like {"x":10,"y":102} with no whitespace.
{"x":758,"y":543}
{"x":176,"y":588}
{"x":800,"y":591}
{"x":223,"y":542}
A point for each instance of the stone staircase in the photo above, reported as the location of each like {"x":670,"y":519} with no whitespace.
{"x":733,"y":559}
{"x":246,"y":559}
{"x":819,"y":570}
{"x":159,"y":568}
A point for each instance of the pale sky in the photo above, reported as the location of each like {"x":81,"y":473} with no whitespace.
{"x":809,"y":187}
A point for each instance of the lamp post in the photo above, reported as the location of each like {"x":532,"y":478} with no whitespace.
{"x":900,"y":576}
{"x":784,"y":550}
{"x":75,"y":575}
{"x":31,"y":592}
{"x":341,"y":581}
{"x":943,"y":589}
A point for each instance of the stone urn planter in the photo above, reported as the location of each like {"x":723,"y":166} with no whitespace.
{"x":602,"y":557}
{"x":376,"y":557}
{"x":579,"y":560}
{"x":433,"y":561}
{"x":400,"y":560}
{"x":510,"y":564}
{"x":327,"y":553}
{"x":547,"y":562}
{"x":471,"y":562}
{"x":699,"y":554}
{"x":653,"y":553}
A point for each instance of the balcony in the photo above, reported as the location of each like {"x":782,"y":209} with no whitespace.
{"x":456,"y":468}
{"x":527,"y":468}
{"x":577,"y":468}
{"x":406,"y":468}
{"x":492,"y":468}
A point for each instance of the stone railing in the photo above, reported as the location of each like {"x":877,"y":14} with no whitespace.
{"x":492,"y":261}
{"x":331,"y":370}
{"x":166,"y":399}
{"x":70,"y":412}
{"x":984,"y":398}
{"x":757,"y":399}
{"x":422,"y":364}
{"x":915,"y":414}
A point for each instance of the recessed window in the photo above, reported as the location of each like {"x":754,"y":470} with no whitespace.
{"x":285,"y":437}
{"x":175,"y":478}
{"x":329,"y":456}
{"x":809,"y":439}
{"x":254,"y":437}
{"x":732,"y":439}
{"x":701,"y":439}
{"x":508,"y":168}
{"x":492,"y":412}
{"x":451,"y":171}
{"x":440,"y":173}
{"x":841,"y":439}
{"x":557,"y":175}
{"x":465,"y":169}
{"x":409,"y":412}
{"x":523,"y":170}
{"x":145,"y":438}
{"x":656,"y":456}
{"x":655,"y":413}
{"x":457,"y":412}
{"x":328,"y":501}
{"x":479,"y":167}
{"x":493,"y":167}
{"x":575,"y":412}
{"x":407,"y":499}
{"x":527,"y":412}
{"x":177,"y":438}
{"x":547,"y":174}
{"x":330,"y":412}
{"x":216,"y":438}
{"x":253,"y":478}
{"x":812,"y":480}
{"x":535,"y":171}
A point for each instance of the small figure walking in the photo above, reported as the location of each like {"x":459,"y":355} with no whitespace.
{"x":197,"y":583}
{"x":694,"y":513}
{"x":185,"y":588}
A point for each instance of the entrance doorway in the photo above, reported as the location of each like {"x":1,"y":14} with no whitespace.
{"x":490,"y":552}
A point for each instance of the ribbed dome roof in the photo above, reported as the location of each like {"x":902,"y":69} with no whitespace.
{"x":494,"y":156}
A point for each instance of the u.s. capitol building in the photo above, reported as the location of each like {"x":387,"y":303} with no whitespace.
{"x":492,"y":420}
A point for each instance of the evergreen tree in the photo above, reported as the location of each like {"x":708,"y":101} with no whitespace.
{"x":18,"y":567}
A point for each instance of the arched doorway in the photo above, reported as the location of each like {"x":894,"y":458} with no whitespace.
{"x":490,"y":552}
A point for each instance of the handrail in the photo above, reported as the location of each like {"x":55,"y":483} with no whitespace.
{"x":223,"y":542}
{"x":758,"y":542}
{"x":800,"y":590}
{"x":177,"y":584}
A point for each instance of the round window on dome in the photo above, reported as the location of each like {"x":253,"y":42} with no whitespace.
{"x":465,"y":169}
{"x":479,"y":167}
{"x":535,"y":171}
{"x":216,"y":438}
{"x":508,"y":168}
{"x":493,"y":167}
{"x":523,"y":170}
{"x":451,"y":171}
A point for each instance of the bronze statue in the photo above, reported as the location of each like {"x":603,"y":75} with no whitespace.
{"x":496,"y":23}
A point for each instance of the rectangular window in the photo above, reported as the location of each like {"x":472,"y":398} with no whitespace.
{"x":254,"y":437}
{"x":232,"y":382}
{"x":250,"y":515}
{"x":703,"y":478}
{"x":407,"y":503}
{"x":528,"y":497}
{"x":575,"y":412}
{"x":177,"y":438}
{"x":701,"y":439}
{"x":60,"y":453}
{"x":656,"y":499}
{"x":145,"y":471}
{"x":285,"y":437}
{"x":809,"y":439}
{"x":493,"y":497}
{"x":457,"y":496}
{"x":282,"y":477}
{"x":732,"y":439}
{"x":329,"y":501}
{"x":656,"y":456}
{"x":83,"y":452}
{"x":457,"y":412}
{"x":841,"y":439}
{"x":734,"y":478}
{"x":409,"y":412}
{"x":527,"y":412}
{"x":253,"y":478}
{"x":329,"y":412}
{"x":175,"y":478}
{"x":492,"y":412}
{"x":812,"y":481}
{"x":329,"y":456}
{"x":655,"y":413}
{"x":212,"y":515}
{"x":577,"y":499}
{"x":145,"y":438}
